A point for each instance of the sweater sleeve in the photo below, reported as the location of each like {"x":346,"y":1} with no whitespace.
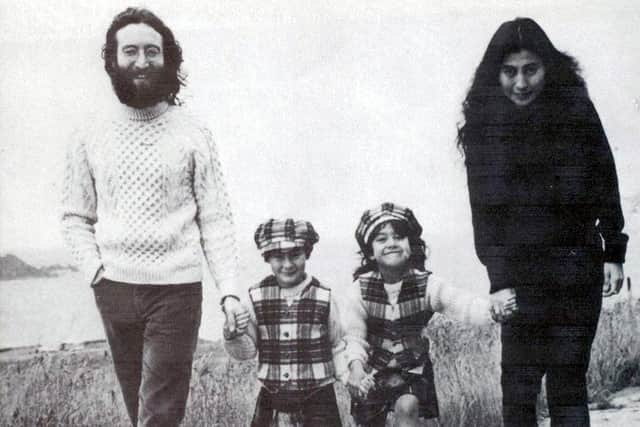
{"x":605,"y":181}
{"x":455,"y":303}
{"x":214,"y":218}
{"x":338,"y":346}
{"x":78,"y":210}
{"x":479,"y":216}
{"x":354,"y":322}
{"x":488,"y":193}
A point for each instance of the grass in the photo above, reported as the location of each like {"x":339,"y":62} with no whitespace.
{"x":615,"y":358}
{"x":80,"y":389}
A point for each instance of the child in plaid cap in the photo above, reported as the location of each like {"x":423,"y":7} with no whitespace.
{"x":385,"y":313}
{"x":294,"y":328}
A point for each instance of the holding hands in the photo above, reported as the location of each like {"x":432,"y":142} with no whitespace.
{"x":503,"y":305}
{"x":237,"y":317}
{"x":359,"y":383}
{"x":613,"y":279}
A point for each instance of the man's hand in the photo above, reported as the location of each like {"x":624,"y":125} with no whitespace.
{"x":359,"y":383}
{"x":237,"y":316}
{"x":503,"y":304}
{"x":228,"y":334}
{"x":613,"y":279}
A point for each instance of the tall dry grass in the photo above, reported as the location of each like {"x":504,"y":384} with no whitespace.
{"x":615,"y":357}
{"x":80,"y":389}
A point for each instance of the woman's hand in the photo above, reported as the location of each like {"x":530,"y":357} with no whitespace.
{"x":613,"y":279}
{"x":359,"y":383}
{"x":503,"y":304}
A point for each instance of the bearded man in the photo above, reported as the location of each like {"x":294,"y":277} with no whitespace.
{"x":143,"y":199}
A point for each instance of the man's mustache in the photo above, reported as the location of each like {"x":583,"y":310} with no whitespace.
{"x":132,"y":73}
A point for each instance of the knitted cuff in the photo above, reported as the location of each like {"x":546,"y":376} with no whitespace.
{"x":222,"y":300}
{"x":615,"y":252}
{"x":480,"y":311}
{"x":227,"y":287}
{"x":497,"y":279}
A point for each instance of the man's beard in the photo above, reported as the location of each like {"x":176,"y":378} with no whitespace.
{"x":144,"y":93}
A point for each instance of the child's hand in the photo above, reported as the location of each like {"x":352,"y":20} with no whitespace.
{"x":359,"y":383}
{"x":503,"y":305}
{"x":367,"y":384}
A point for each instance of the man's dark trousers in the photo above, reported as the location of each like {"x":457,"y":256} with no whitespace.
{"x":152,"y":331}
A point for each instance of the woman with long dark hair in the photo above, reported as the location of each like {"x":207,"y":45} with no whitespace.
{"x":546,"y":216}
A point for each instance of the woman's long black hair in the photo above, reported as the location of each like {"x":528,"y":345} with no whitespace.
{"x":563,"y":82}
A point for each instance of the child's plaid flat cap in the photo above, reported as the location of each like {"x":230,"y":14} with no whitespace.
{"x":287,"y":233}
{"x":371,"y":218}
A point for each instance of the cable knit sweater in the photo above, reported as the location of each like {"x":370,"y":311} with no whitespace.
{"x":143,"y":197}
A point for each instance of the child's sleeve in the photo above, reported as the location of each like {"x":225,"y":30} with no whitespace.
{"x":456,"y":303}
{"x":336,"y":335}
{"x":243,"y":346}
{"x":354,"y":323}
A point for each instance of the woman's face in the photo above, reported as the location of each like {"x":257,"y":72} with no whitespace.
{"x":522,"y":77}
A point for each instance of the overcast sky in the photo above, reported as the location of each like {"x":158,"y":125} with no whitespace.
{"x":320,"y":108}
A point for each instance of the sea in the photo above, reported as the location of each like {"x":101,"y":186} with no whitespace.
{"x":49,"y":312}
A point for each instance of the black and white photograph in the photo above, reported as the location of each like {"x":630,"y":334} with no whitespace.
{"x":330,"y":213}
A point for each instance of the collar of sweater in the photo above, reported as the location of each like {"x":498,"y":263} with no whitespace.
{"x":145,"y":114}
{"x":290,"y":293}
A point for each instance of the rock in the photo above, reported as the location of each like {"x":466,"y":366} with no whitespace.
{"x":12,"y":267}
{"x":624,"y":411}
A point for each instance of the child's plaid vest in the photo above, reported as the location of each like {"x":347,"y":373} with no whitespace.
{"x":401,"y":332}
{"x":294,"y":349}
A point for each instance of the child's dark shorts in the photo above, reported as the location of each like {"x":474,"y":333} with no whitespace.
{"x":382,"y":399}
{"x":309,"y":408}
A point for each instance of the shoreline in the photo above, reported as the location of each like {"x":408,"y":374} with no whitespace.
{"x":15,"y":354}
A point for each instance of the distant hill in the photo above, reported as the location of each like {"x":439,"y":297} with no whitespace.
{"x":12,"y":267}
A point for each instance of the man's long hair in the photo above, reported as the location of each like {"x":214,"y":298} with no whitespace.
{"x":563,"y":83}
{"x":173,"y":77}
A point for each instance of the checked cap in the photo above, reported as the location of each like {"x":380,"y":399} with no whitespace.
{"x":371,"y":218}
{"x":284,"y":234}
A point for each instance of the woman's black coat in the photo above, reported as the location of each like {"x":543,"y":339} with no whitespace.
{"x":544,"y":195}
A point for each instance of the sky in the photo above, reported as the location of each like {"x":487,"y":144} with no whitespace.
{"x":320,"y":109}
